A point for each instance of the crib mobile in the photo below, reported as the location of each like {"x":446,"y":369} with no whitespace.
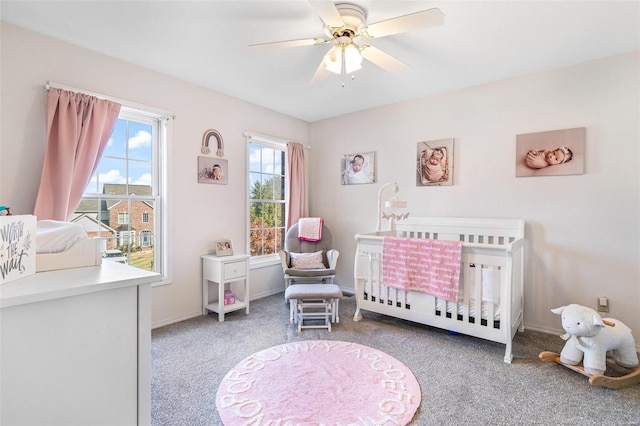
{"x":392,"y":204}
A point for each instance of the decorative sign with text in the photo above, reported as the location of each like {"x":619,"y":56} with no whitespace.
{"x":17,"y":247}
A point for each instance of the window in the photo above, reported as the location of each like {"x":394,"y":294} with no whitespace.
{"x":124,"y":200}
{"x":126,"y":238}
{"x":266,"y":196}
{"x":145,"y":239}
{"x":123,"y":218}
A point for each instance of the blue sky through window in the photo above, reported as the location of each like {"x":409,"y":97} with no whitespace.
{"x":127,"y":157}
{"x":264,"y":162}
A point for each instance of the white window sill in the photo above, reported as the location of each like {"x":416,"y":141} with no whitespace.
{"x":264,"y":261}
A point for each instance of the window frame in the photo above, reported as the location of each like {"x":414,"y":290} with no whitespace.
{"x":124,"y":235}
{"x":123,"y":218}
{"x":280,"y":145}
{"x":160,"y":196}
{"x":146,"y":239}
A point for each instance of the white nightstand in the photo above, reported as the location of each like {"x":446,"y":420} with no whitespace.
{"x":222,"y":270}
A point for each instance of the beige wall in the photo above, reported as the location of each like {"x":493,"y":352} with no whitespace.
{"x":582,"y":231}
{"x":201,"y":213}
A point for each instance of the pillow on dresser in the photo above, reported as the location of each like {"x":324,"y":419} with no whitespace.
{"x":307,"y":260}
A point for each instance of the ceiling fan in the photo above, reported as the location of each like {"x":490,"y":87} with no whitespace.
{"x":348,"y":34}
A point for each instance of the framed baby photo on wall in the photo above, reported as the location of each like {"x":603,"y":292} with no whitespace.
{"x":434,"y":163}
{"x":553,"y":153}
{"x":212,"y":170}
{"x":358,"y":168}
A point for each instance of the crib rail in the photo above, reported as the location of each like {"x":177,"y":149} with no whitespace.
{"x":491,"y":302}
{"x":471,"y":230}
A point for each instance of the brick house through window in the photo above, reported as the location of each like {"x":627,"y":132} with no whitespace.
{"x":120,"y":222}
{"x":131,"y":219}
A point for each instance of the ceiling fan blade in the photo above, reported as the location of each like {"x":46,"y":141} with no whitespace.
{"x":406,"y":23}
{"x":320,"y":75}
{"x":383,"y":60}
{"x":328,"y":12}
{"x":287,"y":43}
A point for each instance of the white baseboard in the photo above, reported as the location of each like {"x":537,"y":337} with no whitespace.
{"x":175,"y":320}
{"x":560,"y":332}
{"x":543,"y":329}
{"x":199,"y":313}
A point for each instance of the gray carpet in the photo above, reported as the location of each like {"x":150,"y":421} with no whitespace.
{"x":463,"y":379}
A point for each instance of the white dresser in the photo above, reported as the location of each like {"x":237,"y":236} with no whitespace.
{"x":76,"y":347}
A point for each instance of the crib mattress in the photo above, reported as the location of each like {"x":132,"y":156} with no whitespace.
{"x":458,"y":308}
{"x":441,"y":305}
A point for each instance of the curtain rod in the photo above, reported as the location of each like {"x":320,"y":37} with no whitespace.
{"x":269,"y":138}
{"x":124,"y":102}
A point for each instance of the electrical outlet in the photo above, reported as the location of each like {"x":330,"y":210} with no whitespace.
{"x":603,"y":304}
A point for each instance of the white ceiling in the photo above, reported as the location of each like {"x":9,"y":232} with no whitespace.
{"x":205,"y":42}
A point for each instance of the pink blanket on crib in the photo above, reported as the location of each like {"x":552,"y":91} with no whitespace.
{"x":418,"y":264}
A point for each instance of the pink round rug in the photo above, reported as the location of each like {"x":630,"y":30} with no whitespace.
{"x":318,"y":382}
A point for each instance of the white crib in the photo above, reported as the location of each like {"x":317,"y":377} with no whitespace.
{"x":492,"y":256}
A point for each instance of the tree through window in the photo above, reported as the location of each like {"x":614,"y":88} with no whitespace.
{"x":267,"y":198}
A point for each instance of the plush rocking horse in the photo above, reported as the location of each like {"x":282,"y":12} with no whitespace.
{"x":594,"y":341}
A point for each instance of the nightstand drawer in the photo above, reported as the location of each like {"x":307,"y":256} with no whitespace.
{"x":235,"y":270}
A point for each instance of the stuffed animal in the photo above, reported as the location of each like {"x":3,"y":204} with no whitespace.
{"x":588,"y":334}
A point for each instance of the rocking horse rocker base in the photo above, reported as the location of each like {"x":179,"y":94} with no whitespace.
{"x":629,"y":379}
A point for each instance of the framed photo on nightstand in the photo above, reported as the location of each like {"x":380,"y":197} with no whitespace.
{"x":224,"y":248}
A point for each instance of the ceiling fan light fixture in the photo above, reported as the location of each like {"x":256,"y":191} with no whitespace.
{"x":352,"y":58}
{"x":343,"y":58}
{"x":333,"y":60}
